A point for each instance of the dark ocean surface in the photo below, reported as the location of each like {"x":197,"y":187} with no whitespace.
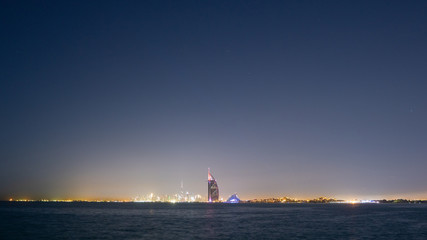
{"x":211,"y":221}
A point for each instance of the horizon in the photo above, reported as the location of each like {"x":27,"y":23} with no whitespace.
{"x":204,"y":198}
{"x":298,"y":98}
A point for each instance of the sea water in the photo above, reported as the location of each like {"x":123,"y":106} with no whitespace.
{"x":39,"y":220}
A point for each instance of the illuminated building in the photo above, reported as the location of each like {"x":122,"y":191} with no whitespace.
{"x":213,"y":191}
{"x":233,"y":199}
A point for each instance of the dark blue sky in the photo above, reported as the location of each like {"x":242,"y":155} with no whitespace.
{"x":297,"y":98}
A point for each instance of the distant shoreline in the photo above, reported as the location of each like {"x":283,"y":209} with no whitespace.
{"x":242,"y":202}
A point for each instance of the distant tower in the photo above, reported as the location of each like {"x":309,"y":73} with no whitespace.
{"x":181,"y":195}
{"x":213,"y":191}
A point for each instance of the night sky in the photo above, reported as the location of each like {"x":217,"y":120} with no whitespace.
{"x":113,"y":99}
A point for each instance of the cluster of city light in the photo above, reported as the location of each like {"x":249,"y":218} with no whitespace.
{"x":315,"y":200}
{"x":65,"y":200}
{"x":293,"y":200}
{"x":21,"y":200}
{"x":359,"y":201}
{"x":179,"y":197}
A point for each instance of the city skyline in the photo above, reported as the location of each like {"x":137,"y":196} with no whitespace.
{"x":103,"y":99}
{"x":186,"y":195}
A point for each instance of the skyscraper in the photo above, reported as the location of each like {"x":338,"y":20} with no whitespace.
{"x":213,"y":191}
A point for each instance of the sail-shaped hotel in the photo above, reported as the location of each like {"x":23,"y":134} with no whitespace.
{"x":213,"y":191}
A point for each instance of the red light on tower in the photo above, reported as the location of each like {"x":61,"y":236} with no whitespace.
{"x":209,"y":175}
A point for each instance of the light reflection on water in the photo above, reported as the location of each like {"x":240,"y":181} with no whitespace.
{"x":212,"y":221}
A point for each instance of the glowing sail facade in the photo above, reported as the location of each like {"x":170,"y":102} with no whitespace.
{"x":213,"y":191}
